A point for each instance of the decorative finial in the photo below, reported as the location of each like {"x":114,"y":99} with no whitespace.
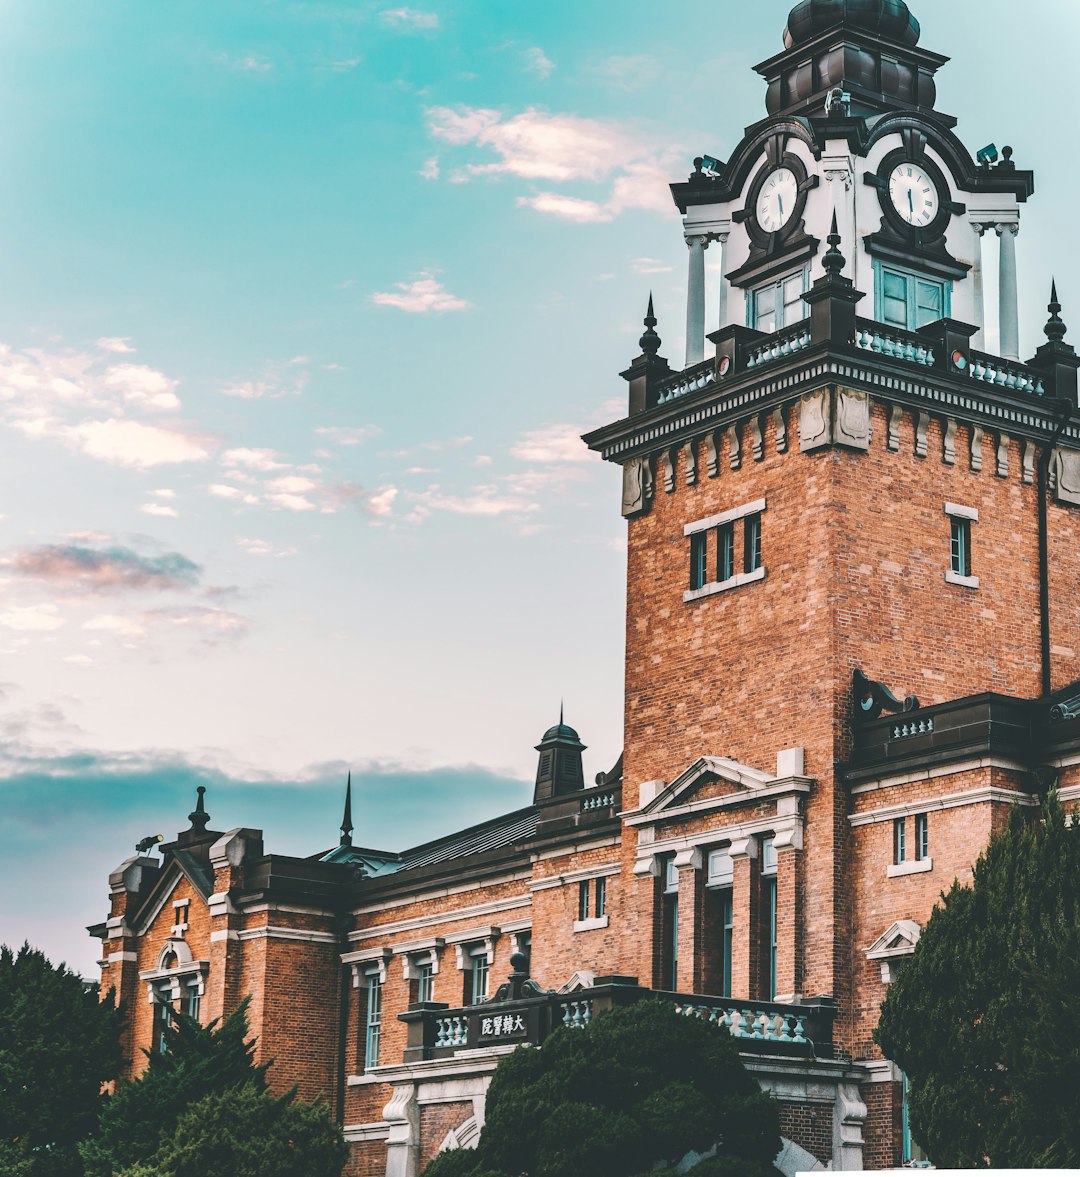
{"x":1055,"y":329}
{"x":346,"y":820}
{"x":199,"y":817}
{"x":650,"y":341}
{"x":560,"y":713}
{"x":834,"y":261}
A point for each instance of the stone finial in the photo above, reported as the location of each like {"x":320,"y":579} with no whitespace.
{"x":1007,"y":164}
{"x":650,"y":341}
{"x":834,"y":261}
{"x":198,"y":816}
{"x":346,"y":819}
{"x":1055,"y":329}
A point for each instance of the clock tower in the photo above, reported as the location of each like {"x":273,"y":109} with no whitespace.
{"x":853,"y":544}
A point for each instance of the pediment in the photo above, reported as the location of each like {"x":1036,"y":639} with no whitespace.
{"x":899,"y":940}
{"x":175,"y":872}
{"x":709,"y":778}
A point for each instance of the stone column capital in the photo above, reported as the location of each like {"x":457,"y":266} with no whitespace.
{"x":698,"y":240}
{"x":841,"y":175}
{"x":980,"y":227}
{"x":1010,"y":227}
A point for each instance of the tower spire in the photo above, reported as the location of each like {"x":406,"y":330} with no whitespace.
{"x":1055,"y":329}
{"x":346,"y":819}
{"x":198,"y":816}
{"x":834,"y":261}
{"x":650,"y":341}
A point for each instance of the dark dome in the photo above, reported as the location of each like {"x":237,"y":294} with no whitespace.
{"x":561,"y":731}
{"x":886,"y":18}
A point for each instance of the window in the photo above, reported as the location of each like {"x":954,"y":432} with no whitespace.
{"x":425,"y":982}
{"x":725,"y":551}
{"x":909,"y":301}
{"x":912,"y":1153}
{"x":669,"y":939}
{"x":163,"y":1018}
{"x":899,"y":841}
{"x":961,"y":546}
{"x":699,"y":560}
{"x":600,"y":904}
{"x":372,"y":1021}
{"x":191,"y":1005}
{"x":478,"y":978}
{"x":583,"y":900}
{"x":778,"y":304}
{"x":752,"y":544}
{"x":727,"y":916}
{"x":922,"y":837}
{"x":768,"y":896}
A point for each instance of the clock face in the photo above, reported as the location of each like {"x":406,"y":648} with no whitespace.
{"x":776,"y":200}
{"x":914,"y":195}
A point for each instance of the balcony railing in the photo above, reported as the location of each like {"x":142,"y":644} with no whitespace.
{"x":436,"y":1031}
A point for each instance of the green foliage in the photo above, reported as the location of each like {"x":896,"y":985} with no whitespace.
{"x":200,"y":1061}
{"x":985,"y":1017}
{"x":245,"y":1132}
{"x":58,"y":1044}
{"x":639,"y":1086}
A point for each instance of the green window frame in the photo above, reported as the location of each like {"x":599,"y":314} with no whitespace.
{"x":908,"y":300}
{"x":778,"y":304}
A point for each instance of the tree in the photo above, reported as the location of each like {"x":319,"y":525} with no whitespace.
{"x":984,"y":1019}
{"x":245,"y":1132}
{"x":58,"y":1045}
{"x":198,"y":1061}
{"x":640,"y":1086}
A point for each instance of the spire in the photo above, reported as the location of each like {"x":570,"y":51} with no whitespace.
{"x":199,"y":817}
{"x":1055,"y":329}
{"x":346,"y":820}
{"x":834,"y":261}
{"x":650,"y":341}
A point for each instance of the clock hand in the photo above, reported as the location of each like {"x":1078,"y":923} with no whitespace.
{"x":910,"y":202}
{"x":781,"y":201}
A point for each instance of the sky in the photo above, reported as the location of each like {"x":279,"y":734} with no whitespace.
{"x":303,"y":308}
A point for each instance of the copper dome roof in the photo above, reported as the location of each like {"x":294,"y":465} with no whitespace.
{"x":885,"y":18}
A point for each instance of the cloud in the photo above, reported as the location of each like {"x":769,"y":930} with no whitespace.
{"x":348,"y":434}
{"x":114,"y":343}
{"x":436,"y":446}
{"x":114,"y":623}
{"x":212,"y":625}
{"x":223,"y":491}
{"x":569,"y":208}
{"x":164,"y":494}
{"x":34,"y":618}
{"x":424,"y":294}
{"x":260,"y":547}
{"x":130,"y":443}
{"x":253,"y":459}
{"x":410,"y":20}
{"x":245,"y":63}
{"x":628,"y":72}
{"x":161,"y":510}
{"x":248,"y":390}
{"x":650,"y":265}
{"x":553,"y":443}
{"x":143,"y":386}
{"x":485,"y":502}
{"x":105,"y":570}
{"x":430,"y":170}
{"x":538,"y":62}
{"x":380,"y":502}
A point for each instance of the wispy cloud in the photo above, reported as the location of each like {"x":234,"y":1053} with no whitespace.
{"x":245,"y":63}
{"x":421,"y":296}
{"x":115,"y":343}
{"x":130,"y":443}
{"x":650,"y":265}
{"x":410,"y":20}
{"x":538,"y":62}
{"x":34,"y":618}
{"x":161,"y":510}
{"x":253,"y":459}
{"x":348,"y":435}
{"x":430,"y":170}
{"x":113,"y":569}
{"x":553,"y":443}
{"x":248,"y":390}
{"x":483,"y":501}
{"x":261,"y":547}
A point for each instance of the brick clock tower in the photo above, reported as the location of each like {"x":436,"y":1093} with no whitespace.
{"x":853,"y":617}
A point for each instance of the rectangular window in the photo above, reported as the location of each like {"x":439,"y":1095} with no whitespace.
{"x":961,"y":546}
{"x":752,"y":543}
{"x":372,"y":1021}
{"x":583,"y":900}
{"x":425,"y":982}
{"x":727,"y":910}
{"x":909,"y":301}
{"x":899,"y":841}
{"x":669,"y":963}
{"x":478,"y":978}
{"x":600,"y":905}
{"x":163,"y":1018}
{"x":699,"y":560}
{"x":778,"y":304}
{"x":922,"y":837}
{"x":725,"y":551}
{"x":769,"y":897}
{"x":191,"y":1006}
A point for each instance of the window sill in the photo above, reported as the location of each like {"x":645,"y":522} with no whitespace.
{"x":918,"y":867}
{"x":964,"y":581}
{"x":591,"y":925}
{"x":364,"y":1080}
{"x":723,"y":586}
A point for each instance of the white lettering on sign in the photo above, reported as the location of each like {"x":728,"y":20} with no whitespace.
{"x":501,"y":1025}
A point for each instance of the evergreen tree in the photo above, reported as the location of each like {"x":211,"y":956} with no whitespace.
{"x":985,"y":1017}
{"x":245,"y":1132}
{"x":198,"y":1061}
{"x":58,"y":1044}
{"x":641,"y":1085}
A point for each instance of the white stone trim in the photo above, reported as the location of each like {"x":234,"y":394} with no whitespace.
{"x":887,"y":953}
{"x":565,"y":850}
{"x":361,"y":1133}
{"x":991,"y":793}
{"x":578,"y":876}
{"x":444,"y":892}
{"x":418,"y":953}
{"x":385,"y":931}
{"x":916,"y":866}
{"x":367,"y":962}
{"x":298,"y":935}
{"x":723,"y":586}
{"x":591,"y":925}
{"x":145,"y":923}
{"x":881,"y":1070}
{"x":741,"y":839}
{"x":116,"y":957}
{"x":930,"y":774}
{"x":480,"y":942}
{"x":689,"y":858}
{"x":964,"y":581}
{"x":779,"y":789}
{"x":220,"y":934}
{"x":186,"y":973}
{"x":754,"y":508}
{"x":961,"y":512}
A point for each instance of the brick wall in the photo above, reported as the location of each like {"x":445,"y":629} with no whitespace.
{"x":810,"y":1126}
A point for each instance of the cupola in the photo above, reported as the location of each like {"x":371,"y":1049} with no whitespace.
{"x":890,"y":19}
{"x":559,"y":770}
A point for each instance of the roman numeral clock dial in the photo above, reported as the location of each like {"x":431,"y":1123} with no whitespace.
{"x":914,"y":195}
{"x":777,"y":199}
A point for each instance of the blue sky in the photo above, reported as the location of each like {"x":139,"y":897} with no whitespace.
{"x":302,"y":309}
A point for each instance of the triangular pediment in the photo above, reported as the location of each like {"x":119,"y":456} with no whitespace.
{"x":176,"y":869}
{"x":708,"y":777}
{"x":899,"y":940}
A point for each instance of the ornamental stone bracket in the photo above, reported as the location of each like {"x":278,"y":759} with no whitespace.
{"x":834,"y":416}
{"x":1065,"y":472}
{"x":638,"y":487}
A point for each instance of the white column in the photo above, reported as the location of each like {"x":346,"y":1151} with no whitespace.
{"x":723,"y":300}
{"x":978,"y":340}
{"x":840,"y":172}
{"x":695,"y":300}
{"x":1009,"y":309}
